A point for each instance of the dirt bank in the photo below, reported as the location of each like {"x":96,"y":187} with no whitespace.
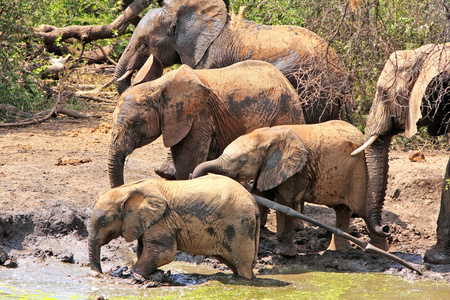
{"x":52,"y":173}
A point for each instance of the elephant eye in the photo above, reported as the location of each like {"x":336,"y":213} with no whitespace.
{"x":144,"y":46}
{"x":137,"y":125}
{"x":103,"y":223}
{"x":242,"y":161}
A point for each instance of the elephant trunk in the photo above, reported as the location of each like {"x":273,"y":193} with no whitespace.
{"x":123,"y":83}
{"x":94,"y":253}
{"x":116,"y":164}
{"x":212,"y":166}
{"x":377,"y":156}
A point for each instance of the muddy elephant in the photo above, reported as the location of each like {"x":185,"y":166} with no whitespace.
{"x":212,"y":216}
{"x":413,"y":90}
{"x":199,"y":112}
{"x":202,"y":35}
{"x":310,"y":163}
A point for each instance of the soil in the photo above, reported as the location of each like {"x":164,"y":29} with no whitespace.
{"x":52,"y":173}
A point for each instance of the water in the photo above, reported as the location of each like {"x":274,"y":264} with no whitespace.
{"x":55,"y":280}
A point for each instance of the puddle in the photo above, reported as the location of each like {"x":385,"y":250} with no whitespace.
{"x":55,"y":280}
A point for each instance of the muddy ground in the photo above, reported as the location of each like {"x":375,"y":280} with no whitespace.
{"x":52,"y":173}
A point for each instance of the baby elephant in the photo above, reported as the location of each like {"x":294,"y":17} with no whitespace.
{"x":212,"y":215}
{"x":309,"y":163}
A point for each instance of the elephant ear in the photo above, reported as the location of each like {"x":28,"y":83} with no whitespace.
{"x":436,"y":61}
{"x":143,"y":206}
{"x":286,"y":156}
{"x":184,"y":97}
{"x":199,"y":23}
{"x":151,"y":70}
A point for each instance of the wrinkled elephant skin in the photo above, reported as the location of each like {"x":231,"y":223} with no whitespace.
{"x":310,"y":163}
{"x":412,"y":91}
{"x":199,"y":112}
{"x":201,"y":34}
{"x":165,"y":216}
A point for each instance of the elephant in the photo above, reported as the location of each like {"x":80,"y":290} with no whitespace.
{"x":412,"y":92}
{"x":198,"y":112}
{"x":213,"y":216}
{"x":309,"y":162}
{"x":202,"y":35}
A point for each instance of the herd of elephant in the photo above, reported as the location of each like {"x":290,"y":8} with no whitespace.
{"x":253,"y":103}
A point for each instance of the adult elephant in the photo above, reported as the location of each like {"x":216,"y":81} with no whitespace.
{"x":198,"y":112}
{"x":201,"y":34}
{"x":413,"y":91}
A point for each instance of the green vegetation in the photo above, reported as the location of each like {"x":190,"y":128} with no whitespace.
{"x":363,"y":39}
{"x":22,"y":54}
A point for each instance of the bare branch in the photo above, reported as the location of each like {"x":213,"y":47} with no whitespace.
{"x":91,"y":33}
{"x":14,"y":110}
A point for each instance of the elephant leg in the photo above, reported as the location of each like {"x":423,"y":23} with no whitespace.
{"x":166,"y":169}
{"x":243,"y":269}
{"x":285,"y":229}
{"x":158,"y":249}
{"x":264,"y":211}
{"x":139,"y":248}
{"x":189,"y":153}
{"x":343,"y":215}
{"x":440,"y":253}
{"x":299,"y":224}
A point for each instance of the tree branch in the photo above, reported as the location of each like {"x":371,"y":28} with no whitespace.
{"x":91,"y":33}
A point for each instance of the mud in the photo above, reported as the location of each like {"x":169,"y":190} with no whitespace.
{"x":52,"y":173}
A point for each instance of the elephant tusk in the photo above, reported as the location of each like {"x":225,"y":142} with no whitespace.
{"x":365,"y":145}
{"x":128,"y":73}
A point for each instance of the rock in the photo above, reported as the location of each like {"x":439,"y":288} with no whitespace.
{"x":417,"y":156}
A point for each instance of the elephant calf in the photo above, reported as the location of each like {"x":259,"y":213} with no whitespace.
{"x":309,"y":163}
{"x":213,"y":216}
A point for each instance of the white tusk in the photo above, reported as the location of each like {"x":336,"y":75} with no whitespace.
{"x":366,"y":144}
{"x":125,"y":75}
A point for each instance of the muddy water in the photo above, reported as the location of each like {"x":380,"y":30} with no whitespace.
{"x":55,"y":280}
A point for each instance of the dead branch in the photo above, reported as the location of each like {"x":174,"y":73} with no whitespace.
{"x":34,"y":120}
{"x":91,"y":33}
{"x":64,"y":111}
{"x":105,"y":54}
{"x":93,"y":98}
{"x":14,"y":110}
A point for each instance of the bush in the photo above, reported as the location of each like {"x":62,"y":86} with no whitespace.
{"x":363,"y":39}
{"x":19,"y":86}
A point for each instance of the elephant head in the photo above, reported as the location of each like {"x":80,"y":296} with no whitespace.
{"x":127,"y":211}
{"x":178,"y":32}
{"x":271,"y":157}
{"x":164,"y":106}
{"x":412,"y":91}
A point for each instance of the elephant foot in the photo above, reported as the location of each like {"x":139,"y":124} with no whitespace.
{"x":338,"y":243}
{"x":286,"y":250}
{"x":167,"y":169}
{"x":439,"y":254}
{"x":298,"y":225}
{"x":380,"y":242}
